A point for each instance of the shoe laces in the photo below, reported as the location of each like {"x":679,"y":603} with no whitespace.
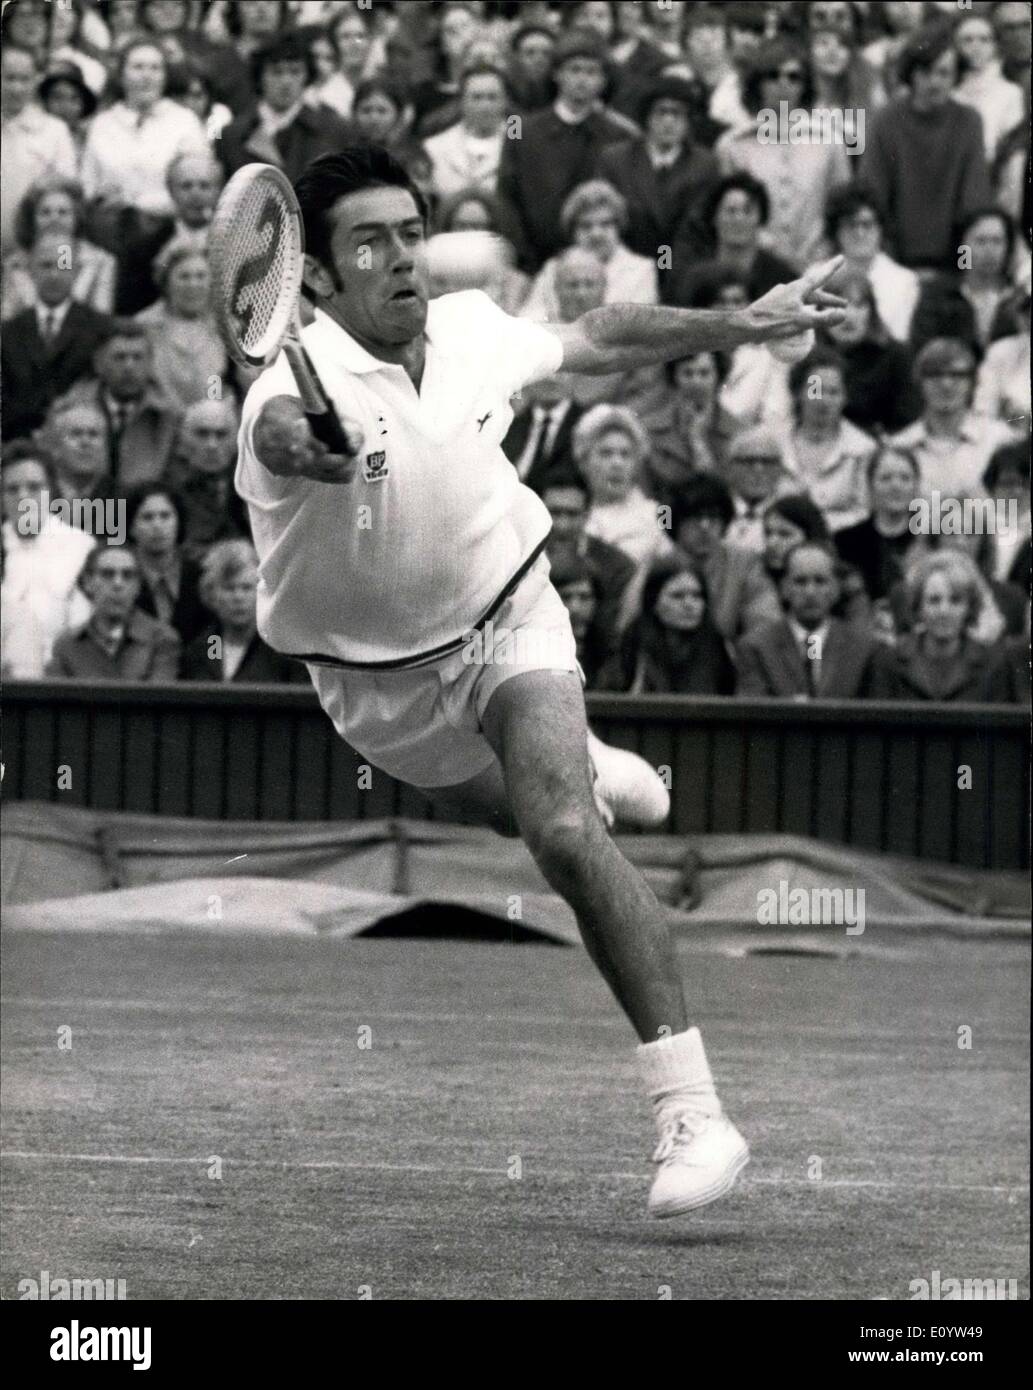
{"x":678,"y":1132}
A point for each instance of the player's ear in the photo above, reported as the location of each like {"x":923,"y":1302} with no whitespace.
{"x":317,"y":279}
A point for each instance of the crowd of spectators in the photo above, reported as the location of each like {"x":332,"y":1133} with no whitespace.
{"x":726,"y":525}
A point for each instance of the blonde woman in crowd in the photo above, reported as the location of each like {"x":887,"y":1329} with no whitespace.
{"x":593,"y":219}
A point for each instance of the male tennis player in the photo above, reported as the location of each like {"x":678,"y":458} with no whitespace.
{"x":393,"y":573}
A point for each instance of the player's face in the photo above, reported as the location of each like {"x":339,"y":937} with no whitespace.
{"x":380,"y":254}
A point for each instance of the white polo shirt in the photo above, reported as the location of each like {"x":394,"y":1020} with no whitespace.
{"x":414,"y":553}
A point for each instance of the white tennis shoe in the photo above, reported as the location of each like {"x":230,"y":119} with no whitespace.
{"x":627,"y":790}
{"x":700,"y":1157}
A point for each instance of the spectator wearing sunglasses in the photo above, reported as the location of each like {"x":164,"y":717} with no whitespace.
{"x":799,"y":176}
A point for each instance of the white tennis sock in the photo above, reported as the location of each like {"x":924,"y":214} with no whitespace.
{"x":676,"y":1074}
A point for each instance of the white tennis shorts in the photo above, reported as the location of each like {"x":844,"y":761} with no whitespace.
{"x":423,"y":725}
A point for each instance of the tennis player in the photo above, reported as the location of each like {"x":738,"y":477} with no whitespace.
{"x":411,"y":577}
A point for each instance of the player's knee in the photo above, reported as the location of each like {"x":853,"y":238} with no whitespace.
{"x":561,"y":841}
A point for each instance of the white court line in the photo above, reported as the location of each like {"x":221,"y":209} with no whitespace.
{"x":335,"y":1165}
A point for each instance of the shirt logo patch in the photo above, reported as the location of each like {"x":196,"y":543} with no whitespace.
{"x":375,"y":467}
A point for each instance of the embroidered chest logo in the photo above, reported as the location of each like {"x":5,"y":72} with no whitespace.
{"x":375,"y":467}
{"x":483,"y":421}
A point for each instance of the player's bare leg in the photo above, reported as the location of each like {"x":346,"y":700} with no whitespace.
{"x":536,"y":724}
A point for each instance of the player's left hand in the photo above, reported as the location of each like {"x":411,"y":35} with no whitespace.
{"x":791,"y":309}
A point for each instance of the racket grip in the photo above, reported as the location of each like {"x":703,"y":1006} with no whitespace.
{"x":325,"y":425}
{"x":322,"y":418}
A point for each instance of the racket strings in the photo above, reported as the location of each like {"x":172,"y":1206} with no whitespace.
{"x":257,"y":266}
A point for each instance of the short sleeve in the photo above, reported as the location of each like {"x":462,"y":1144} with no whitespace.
{"x":520,"y":351}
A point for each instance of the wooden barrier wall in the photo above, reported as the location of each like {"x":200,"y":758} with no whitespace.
{"x":874,"y":775}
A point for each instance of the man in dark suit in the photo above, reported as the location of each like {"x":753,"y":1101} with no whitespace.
{"x":558,"y":148}
{"x":661,"y":174}
{"x":282,"y":128}
{"x":47,"y":348}
{"x":142,"y":421}
{"x":537,"y":443}
{"x":808,"y":654}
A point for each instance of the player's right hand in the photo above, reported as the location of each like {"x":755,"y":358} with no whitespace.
{"x":287,"y":447}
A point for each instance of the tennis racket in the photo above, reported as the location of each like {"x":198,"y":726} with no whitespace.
{"x":256,"y":246}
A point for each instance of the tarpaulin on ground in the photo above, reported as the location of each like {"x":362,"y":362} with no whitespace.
{"x":70,"y":868}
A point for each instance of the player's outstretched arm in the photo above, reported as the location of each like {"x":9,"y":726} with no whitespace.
{"x":287,"y":447}
{"x":620,"y":336}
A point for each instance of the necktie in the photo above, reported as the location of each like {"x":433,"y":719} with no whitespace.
{"x":49,"y":326}
{"x":535,"y":447}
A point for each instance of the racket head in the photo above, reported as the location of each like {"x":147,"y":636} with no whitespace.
{"x":256,"y":248}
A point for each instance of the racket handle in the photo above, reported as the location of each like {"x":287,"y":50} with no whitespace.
{"x":322,"y":417}
{"x":325,"y":425}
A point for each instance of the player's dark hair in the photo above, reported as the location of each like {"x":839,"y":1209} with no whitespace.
{"x":334,"y":176}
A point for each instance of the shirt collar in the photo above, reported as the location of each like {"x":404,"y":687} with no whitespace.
{"x":342,"y":350}
{"x":802,"y":634}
